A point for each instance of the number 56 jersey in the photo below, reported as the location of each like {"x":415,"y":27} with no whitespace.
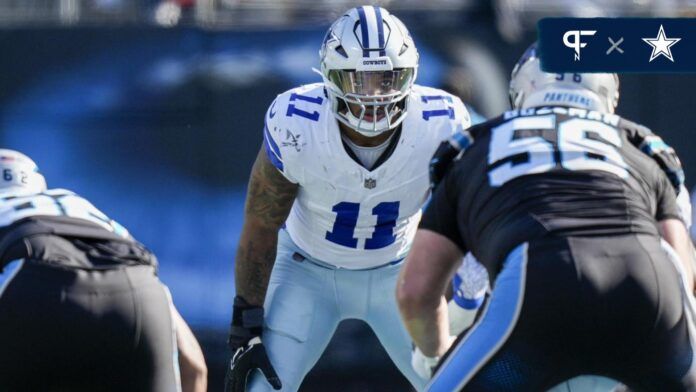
{"x":548,"y":172}
{"x":345,"y":214}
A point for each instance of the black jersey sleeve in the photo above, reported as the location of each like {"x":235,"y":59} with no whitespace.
{"x":654,"y":147}
{"x":666,"y":207}
{"x":440,"y":214}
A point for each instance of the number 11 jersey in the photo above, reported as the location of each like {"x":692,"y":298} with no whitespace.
{"x":345,"y":214}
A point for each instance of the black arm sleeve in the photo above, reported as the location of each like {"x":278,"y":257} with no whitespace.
{"x":440,"y":214}
{"x":635,"y":133}
{"x":666,"y":206}
{"x":654,"y":147}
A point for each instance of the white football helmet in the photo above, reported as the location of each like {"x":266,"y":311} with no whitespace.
{"x":369,"y":63}
{"x":532,"y":87}
{"x":19,"y":175}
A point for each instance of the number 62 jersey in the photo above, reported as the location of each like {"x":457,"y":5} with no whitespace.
{"x":345,"y":214}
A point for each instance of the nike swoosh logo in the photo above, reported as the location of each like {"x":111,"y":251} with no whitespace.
{"x":271,"y":113}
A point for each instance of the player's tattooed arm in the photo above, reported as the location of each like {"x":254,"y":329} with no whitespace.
{"x":269,"y":199}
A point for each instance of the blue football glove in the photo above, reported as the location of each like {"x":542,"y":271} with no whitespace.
{"x":249,"y":352}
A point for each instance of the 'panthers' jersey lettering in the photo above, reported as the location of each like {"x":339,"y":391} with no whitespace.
{"x":56,"y":202}
{"x":345,"y":214}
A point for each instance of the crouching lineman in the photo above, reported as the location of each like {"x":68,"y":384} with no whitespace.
{"x":471,"y":280}
{"x":84,"y":310}
{"x":566,"y":214}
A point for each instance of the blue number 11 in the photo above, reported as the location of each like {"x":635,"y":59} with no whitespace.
{"x":347,"y":218}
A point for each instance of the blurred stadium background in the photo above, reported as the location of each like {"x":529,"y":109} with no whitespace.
{"x":153,"y":110}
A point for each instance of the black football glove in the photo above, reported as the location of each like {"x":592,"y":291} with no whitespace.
{"x":445,"y":154}
{"x":666,"y":158}
{"x":249,"y":352}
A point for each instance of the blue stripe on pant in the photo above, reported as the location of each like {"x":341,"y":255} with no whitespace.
{"x":491,"y":331}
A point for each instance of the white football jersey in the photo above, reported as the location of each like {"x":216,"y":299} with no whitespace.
{"x":344,"y":214}
{"x":56,"y":202}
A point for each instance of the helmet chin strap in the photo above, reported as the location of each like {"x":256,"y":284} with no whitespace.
{"x":378,"y":127}
{"x":392,"y":118}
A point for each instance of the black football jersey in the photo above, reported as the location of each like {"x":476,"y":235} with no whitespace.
{"x":548,"y":171}
{"x":60,"y":227}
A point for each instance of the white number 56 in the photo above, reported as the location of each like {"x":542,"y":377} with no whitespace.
{"x":582,"y":145}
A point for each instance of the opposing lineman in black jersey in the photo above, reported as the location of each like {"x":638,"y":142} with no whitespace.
{"x":566,"y":214}
{"x":84,"y":310}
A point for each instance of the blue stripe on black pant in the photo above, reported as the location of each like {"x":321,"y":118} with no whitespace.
{"x":567,"y":306}
{"x":491,"y":331}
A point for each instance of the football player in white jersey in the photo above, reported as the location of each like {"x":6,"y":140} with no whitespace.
{"x":334,"y":199}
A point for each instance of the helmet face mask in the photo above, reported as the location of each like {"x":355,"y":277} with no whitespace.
{"x":19,"y":175}
{"x":531,"y":87}
{"x":372,"y":100}
{"x":368,"y":64}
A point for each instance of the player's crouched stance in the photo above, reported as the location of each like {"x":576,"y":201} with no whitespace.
{"x":84,"y":310}
{"x":344,"y":172}
{"x":566,"y":214}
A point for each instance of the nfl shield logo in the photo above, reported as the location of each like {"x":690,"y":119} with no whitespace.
{"x":370,"y":183}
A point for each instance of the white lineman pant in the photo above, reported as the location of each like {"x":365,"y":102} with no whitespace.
{"x":306,"y":300}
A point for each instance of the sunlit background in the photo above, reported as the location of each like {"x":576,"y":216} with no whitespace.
{"x":153,"y":110}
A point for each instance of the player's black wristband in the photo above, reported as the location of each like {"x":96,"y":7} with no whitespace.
{"x":247,"y":323}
